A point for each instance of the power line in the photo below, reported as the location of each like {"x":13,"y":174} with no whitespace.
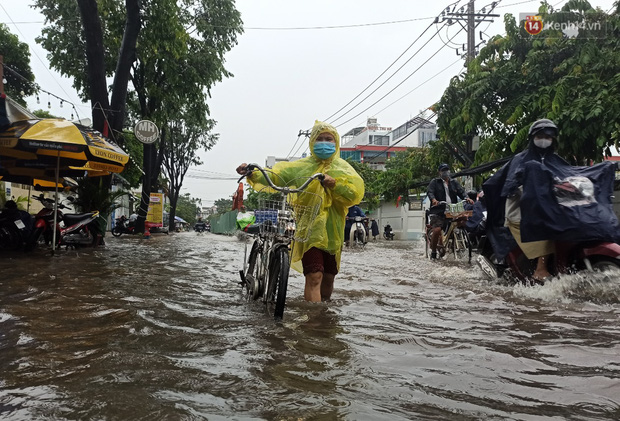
{"x":397,"y":86}
{"x":406,"y":136}
{"x":388,"y":68}
{"x":35,"y":53}
{"x":420,"y":85}
{"x":388,"y":79}
{"x":284,"y":28}
{"x":358,"y":25}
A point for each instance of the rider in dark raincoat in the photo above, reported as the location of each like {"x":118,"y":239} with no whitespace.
{"x":559,"y":202}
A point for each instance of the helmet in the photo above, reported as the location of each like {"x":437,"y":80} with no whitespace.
{"x":545,"y":126}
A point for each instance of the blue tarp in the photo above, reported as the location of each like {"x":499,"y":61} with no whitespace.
{"x":560,"y":202}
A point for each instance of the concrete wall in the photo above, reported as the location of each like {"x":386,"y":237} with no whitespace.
{"x":406,"y":224}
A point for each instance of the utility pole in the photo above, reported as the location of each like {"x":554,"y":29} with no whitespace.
{"x":471,"y":32}
{"x":469,"y":20}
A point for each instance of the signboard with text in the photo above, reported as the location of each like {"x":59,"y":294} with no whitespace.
{"x":146,"y":131}
{"x":155,"y":215}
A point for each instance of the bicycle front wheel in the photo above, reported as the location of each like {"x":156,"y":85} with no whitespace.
{"x":278,"y":282}
{"x":254,"y":275}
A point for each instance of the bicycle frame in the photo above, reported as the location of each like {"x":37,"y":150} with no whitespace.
{"x":453,"y":238}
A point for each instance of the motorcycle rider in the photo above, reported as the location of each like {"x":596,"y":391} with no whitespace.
{"x":441,"y":189}
{"x":543,"y":133}
{"x":200,"y":225}
{"x":354,"y":211}
{"x":524,"y":206}
{"x":387,"y":232}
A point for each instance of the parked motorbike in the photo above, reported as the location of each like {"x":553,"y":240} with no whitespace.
{"x":123,"y":226}
{"x":387,"y":233}
{"x":76,"y":230}
{"x":14,"y":228}
{"x":568,"y":258}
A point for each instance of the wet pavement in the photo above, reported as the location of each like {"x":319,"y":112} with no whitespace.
{"x":158,"y":330}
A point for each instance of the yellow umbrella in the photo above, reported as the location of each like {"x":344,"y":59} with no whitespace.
{"x":73,"y":147}
{"x":76,"y":146}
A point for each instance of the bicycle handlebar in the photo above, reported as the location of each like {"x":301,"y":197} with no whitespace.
{"x":285,"y":190}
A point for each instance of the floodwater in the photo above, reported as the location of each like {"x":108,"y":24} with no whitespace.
{"x":158,"y":330}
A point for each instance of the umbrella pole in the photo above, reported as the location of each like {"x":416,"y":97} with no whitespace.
{"x":56,"y":205}
{"x":29,"y":194}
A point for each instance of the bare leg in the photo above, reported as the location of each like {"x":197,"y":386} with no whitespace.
{"x":541,"y":271}
{"x":312,"y":290}
{"x":327,"y":286}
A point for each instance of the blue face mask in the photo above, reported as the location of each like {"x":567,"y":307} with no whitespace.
{"x":324,"y":150}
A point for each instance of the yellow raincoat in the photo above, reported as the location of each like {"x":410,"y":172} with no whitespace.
{"x":327,"y":232}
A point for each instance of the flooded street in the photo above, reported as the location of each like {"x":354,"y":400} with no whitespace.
{"x":158,"y":330}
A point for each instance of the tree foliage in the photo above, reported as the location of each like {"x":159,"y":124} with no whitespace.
{"x":17,"y":71}
{"x":187,"y":207}
{"x":171,"y":51}
{"x":184,"y":137}
{"x":223,"y":205}
{"x":402,"y":173}
{"x":519,"y":78}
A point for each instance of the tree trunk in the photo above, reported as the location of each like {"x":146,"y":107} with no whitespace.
{"x":148,"y":162}
{"x":126,"y":58}
{"x":97,"y":85}
{"x":173,"y":209}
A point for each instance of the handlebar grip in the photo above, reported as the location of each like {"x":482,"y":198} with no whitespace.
{"x":249,"y":169}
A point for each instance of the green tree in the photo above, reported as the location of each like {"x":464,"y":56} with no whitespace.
{"x":187,"y":208}
{"x":223,"y":205}
{"x":403,"y":172}
{"x":183,"y":139}
{"x":519,"y":78}
{"x":171,"y":51}
{"x":370,"y":176}
{"x":16,"y":61}
{"x":44,"y":114}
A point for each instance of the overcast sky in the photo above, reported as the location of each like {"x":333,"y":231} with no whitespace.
{"x":298,"y":61}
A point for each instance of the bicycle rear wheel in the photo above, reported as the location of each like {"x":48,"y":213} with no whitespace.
{"x":278,"y":282}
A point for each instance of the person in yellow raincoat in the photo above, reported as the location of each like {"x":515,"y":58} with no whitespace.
{"x":319,"y":256}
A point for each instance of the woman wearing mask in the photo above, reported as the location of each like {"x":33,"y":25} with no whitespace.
{"x":319,"y":257}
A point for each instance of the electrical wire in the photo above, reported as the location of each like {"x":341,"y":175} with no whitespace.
{"x":404,"y":137}
{"x":389,"y":78}
{"x":397,"y":86}
{"x":386,"y":69}
{"x":47,"y":67}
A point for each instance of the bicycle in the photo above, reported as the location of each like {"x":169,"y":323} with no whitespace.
{"x":281,"y":222}
{"x":454,"y":239}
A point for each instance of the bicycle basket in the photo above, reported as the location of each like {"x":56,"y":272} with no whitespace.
{"x":289,"y":216}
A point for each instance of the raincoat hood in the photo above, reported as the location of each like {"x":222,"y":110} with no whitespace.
{"x":321,"y":127}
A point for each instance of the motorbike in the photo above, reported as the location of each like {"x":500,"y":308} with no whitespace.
{"x":202,"y":227}
{"x":568,"y":258}
{"x":357,"y":235}
{"x":123,"y":226}
{"x":13,"y":231}
{"x":75,"y":230}
{"x":388,"y":234}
